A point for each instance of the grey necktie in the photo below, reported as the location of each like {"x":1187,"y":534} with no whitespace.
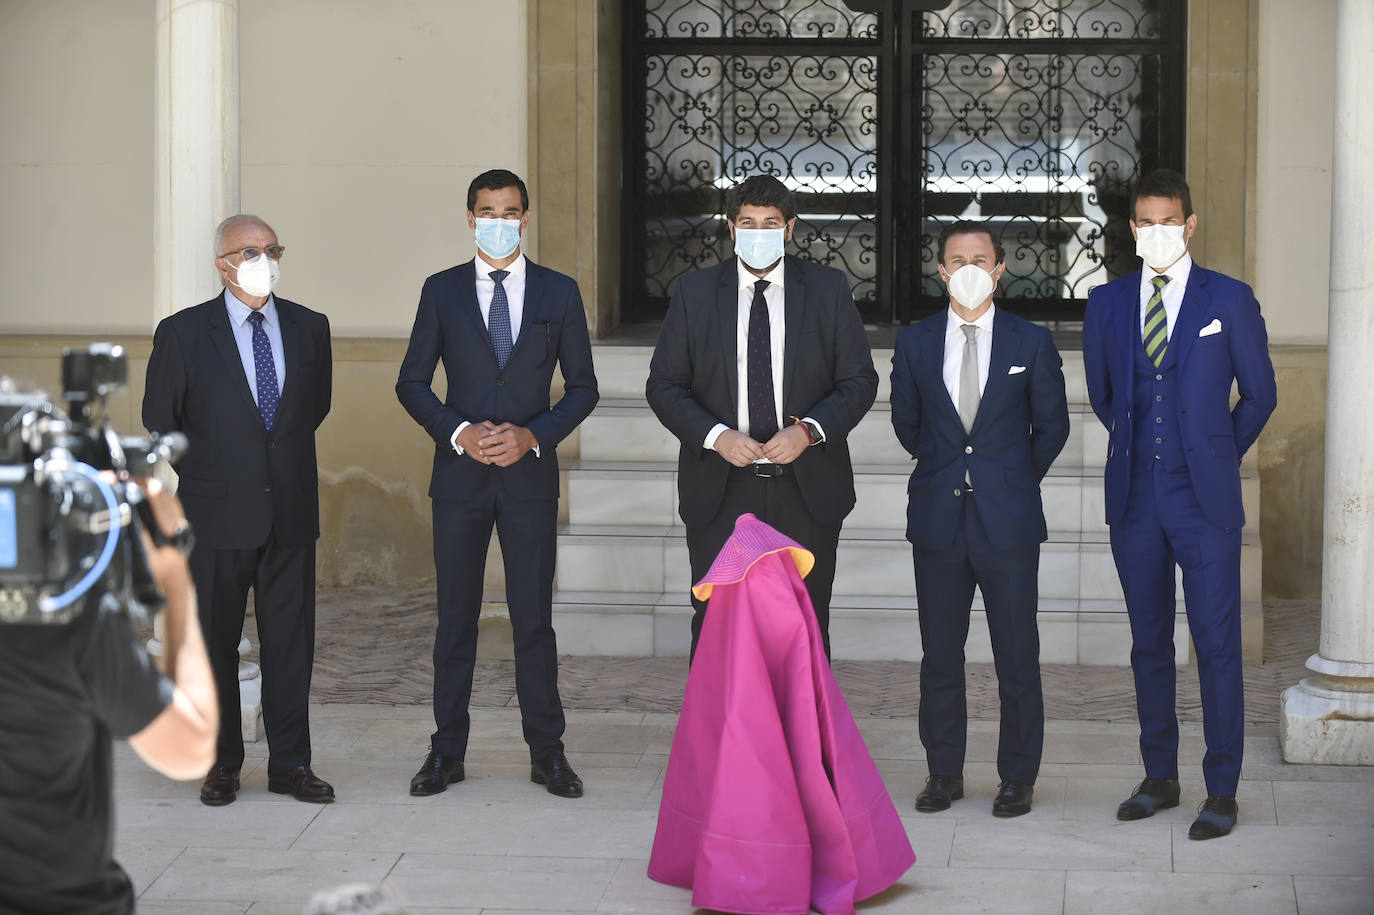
{"x":968,"y":379}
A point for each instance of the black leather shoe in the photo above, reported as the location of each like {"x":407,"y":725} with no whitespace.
{"x":1013,"y":799}
{"x":554,"y":773}
{"x":438,"y":771}
{"x":1215,"y":817}
{"x":939,"y":792}
{"x":220,"y":787}
{"x":1150,"y":795}
{"x":302,"y":784}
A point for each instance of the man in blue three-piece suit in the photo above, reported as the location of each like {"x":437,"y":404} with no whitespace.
{"x":500,"y":323}
{"x":978,"y":400}
{"x":1161,"y":348}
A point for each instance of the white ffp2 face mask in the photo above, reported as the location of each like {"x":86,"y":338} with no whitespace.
{"x":258,"y":277}
{"x":970,"y":286}
{"x":1159,"y":246}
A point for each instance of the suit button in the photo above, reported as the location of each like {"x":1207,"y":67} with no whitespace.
{"x":1159,"y":378}
{"x":1159,"y":441}
{"x":1159,"y":419}
{"x":1158,"y":398}
{"x":500,"y":382}
{"x":958,"y":492}
{"x":1158,"y":458}
{"x":267,"y":489}
{"x":271,"y":444}
{"x":968,"y":449}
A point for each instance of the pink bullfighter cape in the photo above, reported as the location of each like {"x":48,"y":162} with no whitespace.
{"x":772,"y":803}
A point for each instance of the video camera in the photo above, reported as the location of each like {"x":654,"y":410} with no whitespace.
{"x":65,"y":530}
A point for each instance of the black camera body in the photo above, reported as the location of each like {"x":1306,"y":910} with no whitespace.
{"x":66,"y":530}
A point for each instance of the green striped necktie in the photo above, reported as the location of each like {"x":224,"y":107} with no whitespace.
{"x":1156,"y":331}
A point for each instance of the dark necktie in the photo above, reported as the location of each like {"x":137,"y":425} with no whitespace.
{"x":1156,"y":330}
{"x":498,"y":320}
{"x":266,"y":370}
{"x":763,"y":415}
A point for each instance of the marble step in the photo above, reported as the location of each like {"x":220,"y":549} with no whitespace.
{"x":645,"y":493}
{"x":1074,"y":565}
{"x":622,"y":370}
{"x":862,"y":627}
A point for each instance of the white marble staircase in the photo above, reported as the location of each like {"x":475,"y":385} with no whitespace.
{"x":623,"y":575}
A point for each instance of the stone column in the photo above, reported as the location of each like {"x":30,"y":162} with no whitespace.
{"x":1329,"y":717}
{"x":196,"y":184}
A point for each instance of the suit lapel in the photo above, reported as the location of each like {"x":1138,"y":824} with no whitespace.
{"x":1127,"y":330}
{"x":1006,"y":343}
{"x":794,"y":300}
{"x":1190,"y":314}
{"x":533,"y":307}
{"x":223,"y":336}
{"x":932,"y":351}
{"x":727,"y":320}
{"x":466,"y":293}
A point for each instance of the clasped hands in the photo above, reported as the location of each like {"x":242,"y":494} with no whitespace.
{"x":783,"y":448}
{"x":503,"y":445}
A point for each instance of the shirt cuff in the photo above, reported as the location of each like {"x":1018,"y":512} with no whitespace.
{"x":714,"y":434}
{"x":819,"y":428}
{"x":457,"y":432}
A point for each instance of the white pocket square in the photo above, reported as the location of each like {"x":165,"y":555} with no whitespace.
{"x":1213,"y":328}
{"x":1016,"y":370}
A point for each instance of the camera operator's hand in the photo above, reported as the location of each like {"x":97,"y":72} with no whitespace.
{"x":180,"y":742}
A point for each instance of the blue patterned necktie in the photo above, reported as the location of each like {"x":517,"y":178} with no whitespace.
{"x":266,"y":369}
{"x":498,"y":320}
{"x":763,"y":417}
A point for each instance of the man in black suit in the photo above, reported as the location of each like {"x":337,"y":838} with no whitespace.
{"x":761,"y":370}
{"x":978,"y":400}
{"x":500,"y":323}
{"x":247,"y":378}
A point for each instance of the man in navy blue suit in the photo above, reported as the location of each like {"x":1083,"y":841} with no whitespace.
{"x":978,"y":400}
{"x":1161,"y":348}
{"x":500,"y":323}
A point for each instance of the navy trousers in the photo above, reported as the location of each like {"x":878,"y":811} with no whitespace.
{"x":527,"y":530}
{"x":945,"y":579}
{"x":1164,"y":526}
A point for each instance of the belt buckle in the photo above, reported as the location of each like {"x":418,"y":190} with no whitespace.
{"x":768,"y":470}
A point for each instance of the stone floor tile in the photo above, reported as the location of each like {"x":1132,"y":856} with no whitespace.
{"x":349,"y":710}
{"x":491,"y":882}
{"x":1324,"y":803}
{"x":613,"y":737}
{"x":931,"y":835}
{"x":263,"y":875}
{"x":1060,"y":845}
{"x":1076,"y":747}
{"x":145,"y":862}
{"x":280,"y":908}
{"x":203,"y":908}
{"x":274,"y":823}
{"x":489,"y":829}
{"x":1297,"y":850}
{"x":965,"y":891}
{"x":397,"y":732}
{"x":1152,"y":893}
{"x":631,"y":892}
{"x":582,"y":831}
{"x":1334,"y":895}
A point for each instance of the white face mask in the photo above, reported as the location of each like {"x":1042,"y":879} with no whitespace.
{"x":970,"y":286}
{"x":1159,"y":246}
{"x":760,"y":248}
{"x":258,"y":277}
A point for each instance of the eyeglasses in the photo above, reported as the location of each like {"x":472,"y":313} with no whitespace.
{"x":253,"y":252}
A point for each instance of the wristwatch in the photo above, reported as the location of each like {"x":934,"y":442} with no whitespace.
{"x":813,"y":431}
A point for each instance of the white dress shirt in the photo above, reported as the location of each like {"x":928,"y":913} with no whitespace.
{"x":243,"y":338}
{"x":954,"y":350}
{"x":514,"y":284}
{"x":775,"y":297}
{"x":1173,"y":292}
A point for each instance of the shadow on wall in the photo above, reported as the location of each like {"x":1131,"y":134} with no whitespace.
{"x":1292,"y":464}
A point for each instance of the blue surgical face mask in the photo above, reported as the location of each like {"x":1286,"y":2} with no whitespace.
{"x":498,"y":238}
{"x":759,"y":248}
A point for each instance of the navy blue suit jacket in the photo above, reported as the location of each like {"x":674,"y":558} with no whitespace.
{"x":827,"y":374}
{"x":449,"y":326}
{"x":237,"y":480}
{"x":1021,"y":426}
{"x":1215,"y":435}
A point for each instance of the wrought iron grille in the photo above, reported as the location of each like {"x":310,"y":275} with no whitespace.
{"x":1035,"y":115}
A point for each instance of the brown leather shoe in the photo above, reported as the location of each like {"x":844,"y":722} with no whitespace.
{"x":302,"y":784}
{"x":220,"y":787}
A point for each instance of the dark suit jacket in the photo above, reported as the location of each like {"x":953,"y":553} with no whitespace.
{"x":1021,"y":426}
{"x":827,"y":374}
{"x":449,"y":326}
{"x":239,"y":481}
{"x":1215,"y":435}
